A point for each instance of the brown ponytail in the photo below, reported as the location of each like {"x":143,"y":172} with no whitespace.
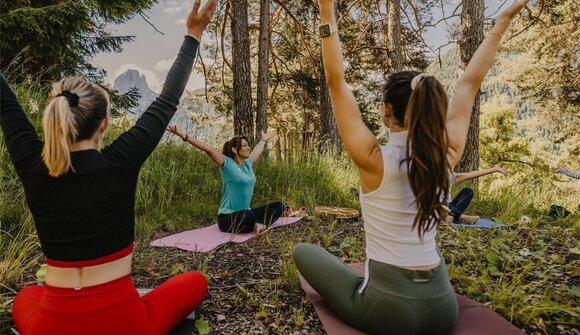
{"x":70,"y":118}
{"x":423,"y":110}
{"x":427,"y":147}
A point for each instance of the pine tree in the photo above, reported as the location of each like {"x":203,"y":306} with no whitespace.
{"x":55,"y":38}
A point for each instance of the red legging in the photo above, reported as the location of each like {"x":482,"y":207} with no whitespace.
{"x":110,"y":308}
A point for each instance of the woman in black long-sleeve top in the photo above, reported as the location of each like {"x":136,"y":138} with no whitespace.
{"x":83,"y":204}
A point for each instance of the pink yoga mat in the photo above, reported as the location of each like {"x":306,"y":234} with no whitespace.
{"x":474,"y":317}
{"x":208,"y":238}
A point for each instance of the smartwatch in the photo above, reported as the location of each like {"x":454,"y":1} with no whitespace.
{"x":327,"y":29}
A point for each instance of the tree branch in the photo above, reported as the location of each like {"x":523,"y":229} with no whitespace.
{"x":146,"y":18}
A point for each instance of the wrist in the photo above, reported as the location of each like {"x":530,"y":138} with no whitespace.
{"x":327,"y":13}
{"x":501,"y":23}
{"x":195,"y":33}
{"x":185,"y":138}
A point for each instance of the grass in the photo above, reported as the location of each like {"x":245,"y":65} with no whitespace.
{"x":527,"y":272}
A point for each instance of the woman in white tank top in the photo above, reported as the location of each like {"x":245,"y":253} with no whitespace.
{"x":406,"y":287}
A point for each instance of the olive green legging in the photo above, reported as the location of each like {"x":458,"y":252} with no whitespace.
{"x":394,"y":301}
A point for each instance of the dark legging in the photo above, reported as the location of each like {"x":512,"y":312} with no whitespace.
{"x":244,"y":221}
{"x":394,"y":301}
{"x":460,"y":203}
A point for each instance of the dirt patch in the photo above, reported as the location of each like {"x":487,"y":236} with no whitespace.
{"x":253,"y":286}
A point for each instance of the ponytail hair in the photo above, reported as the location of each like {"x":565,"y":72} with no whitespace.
{"x":427,"y":147}
{"x":235,"y":142}
{"x":59,"y":133}
{"x":74,"y":112}
{"x":420,"y":104}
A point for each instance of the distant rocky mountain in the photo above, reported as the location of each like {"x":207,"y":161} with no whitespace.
{"x":133,"y":78}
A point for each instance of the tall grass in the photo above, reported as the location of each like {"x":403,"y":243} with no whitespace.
{"x":19,"y":248}
{"x":526,"y":277}
{"x":179,"y":185}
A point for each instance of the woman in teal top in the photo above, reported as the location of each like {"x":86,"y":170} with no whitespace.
{"x":236,"y":160}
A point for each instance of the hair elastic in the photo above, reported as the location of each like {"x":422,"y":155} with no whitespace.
{"x":416,"y":79}
{"x":73,"y":98}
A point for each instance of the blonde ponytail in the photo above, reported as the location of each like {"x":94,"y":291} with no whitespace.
{"x":66,"y":121}
{"x":59,"y":134}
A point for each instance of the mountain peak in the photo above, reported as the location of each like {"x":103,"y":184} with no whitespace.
{"x":133,"y":78}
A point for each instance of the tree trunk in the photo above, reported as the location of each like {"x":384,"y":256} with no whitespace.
{"x":242,"y":86}
{"x":472,"y":16}
{"x":263,"y":70}
{"x":329,"y":138}
{"x":395,"y":56}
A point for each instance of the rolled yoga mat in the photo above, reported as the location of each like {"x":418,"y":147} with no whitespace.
{"x":474,"y":317}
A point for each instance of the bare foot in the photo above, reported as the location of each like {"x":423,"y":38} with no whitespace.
{"x":259,"y":228}
{"x":469,"y":219}
{"x":449,"y":219}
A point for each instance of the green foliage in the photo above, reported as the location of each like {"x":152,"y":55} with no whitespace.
{"x":295,"y":71}
{"x":58,"y":38}
{"x":536,"y":136}
{"x":544,"y":66}
{"x":497,"y":136}
{"x":526,"y":272}
{"x":177,"y":176}
{"x":202,"y":327}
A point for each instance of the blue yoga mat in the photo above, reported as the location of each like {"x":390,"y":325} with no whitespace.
{"x":481,"y":223}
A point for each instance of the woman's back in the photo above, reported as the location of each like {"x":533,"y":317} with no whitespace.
{"x":85,"y":214}
{"x":389,"y":212}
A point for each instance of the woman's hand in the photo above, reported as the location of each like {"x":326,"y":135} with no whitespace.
{"x":514,"y":9}
{"x":173,"y":129}
{"x":266,"y":136}
{"x":501,"y":169}
{"x":199,"y":19}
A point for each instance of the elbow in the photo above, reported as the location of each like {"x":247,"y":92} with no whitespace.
{"x":470,"y":83}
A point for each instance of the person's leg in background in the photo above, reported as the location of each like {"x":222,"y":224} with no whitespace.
{"x":459,"y":204}
{"x":268,"y":213}
{"x":237,"y":222}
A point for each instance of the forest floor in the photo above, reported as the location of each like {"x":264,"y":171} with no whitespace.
{"x":254,"y":288}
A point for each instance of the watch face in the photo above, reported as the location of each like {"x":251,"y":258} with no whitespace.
{"x":325,"y":30}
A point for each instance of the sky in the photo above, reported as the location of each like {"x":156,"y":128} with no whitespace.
{"x":152,"y":53}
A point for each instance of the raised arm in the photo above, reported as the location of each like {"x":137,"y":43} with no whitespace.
{"x":360,"y":142}
{"x":567,"y":172}
{"x":21,"y":139}
{"x":134,"y":146}
{"x":259,"y":148}
{"x":216,"y":156}
{"x":461,"y":177}
{"x":461,"y":105}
